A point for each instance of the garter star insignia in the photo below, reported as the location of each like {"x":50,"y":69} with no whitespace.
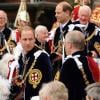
{"x":35,"y":77}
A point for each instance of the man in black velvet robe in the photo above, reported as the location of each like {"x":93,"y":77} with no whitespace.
{"x":75,"y":72}
{"x":89,"y":30}
{"x":34,"y":64}
{"x":5,"y":33}
{"x":63,"y":16}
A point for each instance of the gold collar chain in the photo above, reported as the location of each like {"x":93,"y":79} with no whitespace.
{"x":24,"y":78}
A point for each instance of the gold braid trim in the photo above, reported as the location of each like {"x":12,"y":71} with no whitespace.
{"x":84,"y":77}
{"x":24,"y":79}
{"x":90,"y":37}
{"x":83,"y":74}
{"x":38,"y":46}
{"x":4,"y":47}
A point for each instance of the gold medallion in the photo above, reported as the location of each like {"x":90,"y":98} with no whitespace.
{"x":35,"y":77}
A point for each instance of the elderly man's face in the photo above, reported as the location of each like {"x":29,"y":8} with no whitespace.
{"x":84,"y":17}
{"x":3,"y":19}
{"x":42,"y":36}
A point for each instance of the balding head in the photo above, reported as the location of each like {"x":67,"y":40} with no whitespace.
{"x":65,"y":6}
{"x":74,"y":40}
{"x":54,"y":90}
{"x":85,"y":9}
{"x":63,"y":12}
{"x":93,"y":91}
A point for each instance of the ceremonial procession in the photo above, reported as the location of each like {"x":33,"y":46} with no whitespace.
{"x":49,"y":50}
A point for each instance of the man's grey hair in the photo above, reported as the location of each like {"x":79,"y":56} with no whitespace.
{"x":77,"y":38}
{"x":39,"y":29}
{"x":56,"y":90}
{"x":85,"y":8}
{"x":93,"y":90}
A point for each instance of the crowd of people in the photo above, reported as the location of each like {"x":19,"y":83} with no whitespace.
{"x":36,"y":66}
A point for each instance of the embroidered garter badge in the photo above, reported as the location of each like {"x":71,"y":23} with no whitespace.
{"x":35,"y":77}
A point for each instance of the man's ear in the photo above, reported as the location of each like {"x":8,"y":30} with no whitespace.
{"x":47,"y":98}
{"x":89,"y":98}
{"x":70,"y":45}
{"x":34,"y":40}
{"x":68,"y":12}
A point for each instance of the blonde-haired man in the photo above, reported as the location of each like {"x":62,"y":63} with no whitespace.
{"x":93,"y":91}
{"x":54,"y":90}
